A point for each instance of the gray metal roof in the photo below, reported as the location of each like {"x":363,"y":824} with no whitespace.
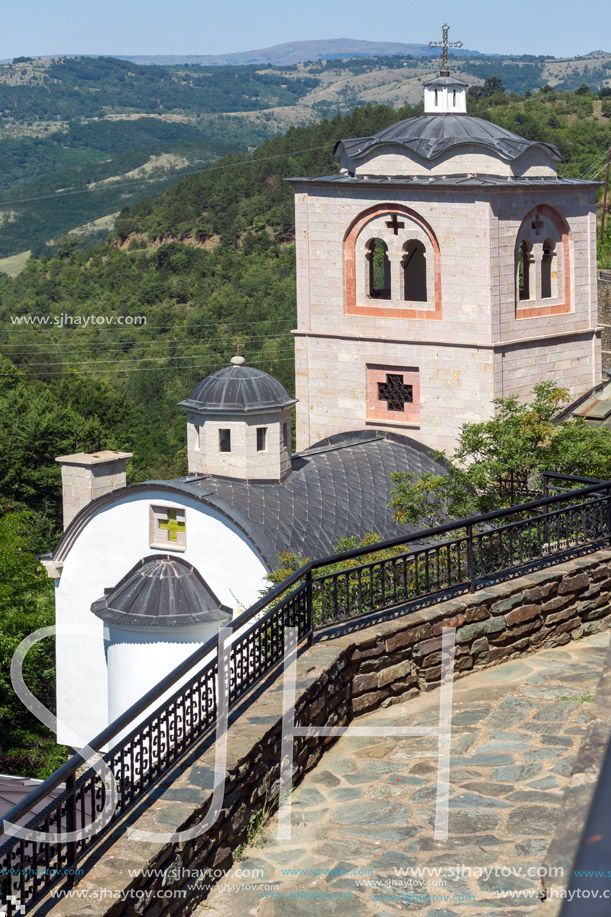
{"x":430,"y":136}
{"x":456,"y":180}
{"x":447,"y":81}
{"x":594,"y":406}
{"x":162,"y":590}
{"x":337,"y":489}
{"x":237,"y":389}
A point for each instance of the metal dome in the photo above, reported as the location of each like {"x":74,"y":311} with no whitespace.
{"x":161,"y":590}
{"x":430,"y":136}
{"x":237,"y":389}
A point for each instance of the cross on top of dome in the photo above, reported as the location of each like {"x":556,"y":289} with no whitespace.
{"x":444,"y":44}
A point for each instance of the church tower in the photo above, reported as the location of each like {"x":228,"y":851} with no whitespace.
{"x":444,"y":266}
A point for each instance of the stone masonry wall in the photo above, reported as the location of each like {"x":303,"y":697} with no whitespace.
{"x":337,"y":680}
{"x":604,"y":315}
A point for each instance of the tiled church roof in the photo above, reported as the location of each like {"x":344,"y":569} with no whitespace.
{"x":237,"y":388}
{"x":162,"y":590}
{"x":336,"y":489}
{"x":430,"y":136}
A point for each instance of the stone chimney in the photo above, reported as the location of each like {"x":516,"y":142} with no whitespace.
{"x":87,"y":475}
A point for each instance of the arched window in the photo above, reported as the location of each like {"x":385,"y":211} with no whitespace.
{"x":414,"y":271}
{"x":524,"y":270}
{"x":454,"y":97}
{"x":549,"y":250}
{"x":378,"y":266}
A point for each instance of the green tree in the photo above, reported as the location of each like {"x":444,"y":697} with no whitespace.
{"x":26,"y":603}
{"x":521,"y":439}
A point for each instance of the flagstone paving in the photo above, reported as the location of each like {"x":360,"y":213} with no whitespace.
{"x":368,"y":810}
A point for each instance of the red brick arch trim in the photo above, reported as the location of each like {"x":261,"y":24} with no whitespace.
{"x":350,"y":239}
{"x":533,"y":311}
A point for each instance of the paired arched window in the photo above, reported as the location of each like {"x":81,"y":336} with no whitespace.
{"x":542,"y":264}
{"x":392,"y":264}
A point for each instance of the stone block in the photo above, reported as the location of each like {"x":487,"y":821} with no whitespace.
{"x":394,"y":673}
{"x":473,"y":631}
{"x":363,"y":683}
{"x":480,"y":613}
{"x":367,"y":701}
{"x":521,"y":614}
{"x":576,"y":583}
{"x":480,"y":645}
{"x":505,"y":605}
{"x":408,"y":637}
{"x":555,"y":604}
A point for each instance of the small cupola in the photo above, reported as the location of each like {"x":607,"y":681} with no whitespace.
{"x":445,"y":96}
{"x":239,"y":424}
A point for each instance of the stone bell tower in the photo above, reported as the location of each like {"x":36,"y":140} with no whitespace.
{"x":445,"y":265}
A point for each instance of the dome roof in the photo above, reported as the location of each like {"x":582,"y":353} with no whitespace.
{"x":238,"y":389}
{"x":430,"y":136}
{"x":161,"y":590}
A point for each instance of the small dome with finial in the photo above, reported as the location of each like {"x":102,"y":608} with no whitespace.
{"x":237,"y":389}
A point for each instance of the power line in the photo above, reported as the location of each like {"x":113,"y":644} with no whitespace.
{"x":144,"y":369}
{"x":67,"y":192}
{"x":75,"y":349}
{"x":156,"y":329}
{"x":138,"y":360}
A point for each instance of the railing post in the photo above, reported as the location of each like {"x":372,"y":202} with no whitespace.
{"x":546,"y":535}
{"x":470,"y":559}
{"x":309,"y":604}
{"x":609,"y":514}
{"x":71,"y":852}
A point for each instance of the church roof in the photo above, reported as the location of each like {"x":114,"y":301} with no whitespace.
{"x":237,"y":389}
{"x":336,"y":489}
{"x":161,"y":589}
{"x":464,"y":180}
{"x":446,"y":81}
{"x":430,"y":136}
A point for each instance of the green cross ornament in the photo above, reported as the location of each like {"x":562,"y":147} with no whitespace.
{"x":173,"y":526}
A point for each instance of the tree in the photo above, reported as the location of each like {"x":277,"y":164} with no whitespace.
{"x":26,"y":603}
{"x":492,"y":86}
{"x":522,"y":440}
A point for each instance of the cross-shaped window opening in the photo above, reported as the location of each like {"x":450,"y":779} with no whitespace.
{"x":173,"y":525}
{"x":168,"y":528}
{"x":395,"y":393}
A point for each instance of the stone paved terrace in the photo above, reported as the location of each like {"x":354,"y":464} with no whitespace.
{"x":369,"y":805}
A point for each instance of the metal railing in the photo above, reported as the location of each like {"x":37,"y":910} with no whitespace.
{"x":428,"y":565}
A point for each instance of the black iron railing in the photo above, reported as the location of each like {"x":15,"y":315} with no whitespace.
{"x":427,"y":565}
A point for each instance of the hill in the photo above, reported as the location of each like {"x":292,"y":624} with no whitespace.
{"x":82,"y":138}
{"x":296,"y":52}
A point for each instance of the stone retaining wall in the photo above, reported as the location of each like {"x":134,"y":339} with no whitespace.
{"x":338,"y":679}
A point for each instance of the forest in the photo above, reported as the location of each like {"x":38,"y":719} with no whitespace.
{"x":210,"y":264}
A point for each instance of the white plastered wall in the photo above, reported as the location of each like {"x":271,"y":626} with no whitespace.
{"x":107,"y":548}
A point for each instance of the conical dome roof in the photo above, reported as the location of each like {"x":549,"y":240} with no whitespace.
{"x":430,"y":136}
{"x":161,"y":590}
{"x":237,"y":389}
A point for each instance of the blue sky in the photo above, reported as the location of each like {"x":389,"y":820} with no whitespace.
{"x":154,"y":27}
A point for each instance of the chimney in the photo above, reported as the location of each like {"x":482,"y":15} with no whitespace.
{"x":87,"y":475}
